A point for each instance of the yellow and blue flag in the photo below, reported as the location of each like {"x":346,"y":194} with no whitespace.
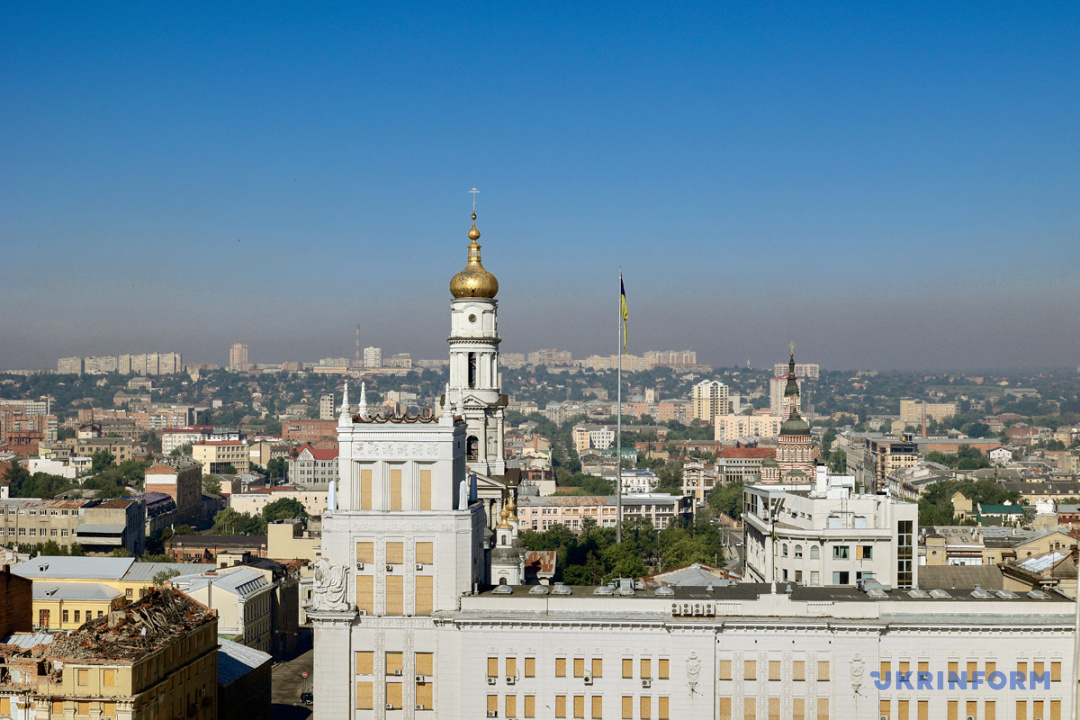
{"x":623,"y":311}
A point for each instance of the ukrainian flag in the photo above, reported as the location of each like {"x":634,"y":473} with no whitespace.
{"x":623,"y":311}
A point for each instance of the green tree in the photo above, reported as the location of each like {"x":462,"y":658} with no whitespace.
{"x":162,"y":575}
{"x":120,"y":553}
{"x":231,"y":522}
{"x":211,"y":484}
{"x":278,"y":468}
{"x":284,"y":509}
{"x":838,"y":462}
{"x":727,"y":499}
{"x":101,"y":460}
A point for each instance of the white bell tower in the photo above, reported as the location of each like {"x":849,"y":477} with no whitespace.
{"x":474,"y":361}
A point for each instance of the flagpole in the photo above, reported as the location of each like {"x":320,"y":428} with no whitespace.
{"x":618,"y":430}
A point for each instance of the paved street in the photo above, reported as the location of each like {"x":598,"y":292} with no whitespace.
{"x":289,"y":682}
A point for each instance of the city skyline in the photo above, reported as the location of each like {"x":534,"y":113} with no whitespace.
{"x":889,"y":187}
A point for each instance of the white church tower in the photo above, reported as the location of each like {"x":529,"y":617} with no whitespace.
{"x":474,"y":362}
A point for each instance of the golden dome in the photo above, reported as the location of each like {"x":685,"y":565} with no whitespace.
{"x":474,"y":281}
{"x":504,"y":516}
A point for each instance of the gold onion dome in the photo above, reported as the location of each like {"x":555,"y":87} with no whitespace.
{"x":504,"y":517}
{"x":474,"y":281}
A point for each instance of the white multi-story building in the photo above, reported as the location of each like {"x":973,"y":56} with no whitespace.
{"x":729,"y":428}
{"x":408,"y":624}
{"x":823,"y":534}
{"x":708,"y":400}
{"x":373,"y":357}
{"x":802,"y":370}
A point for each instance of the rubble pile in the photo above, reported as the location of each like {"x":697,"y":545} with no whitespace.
{"x":134,"y":630}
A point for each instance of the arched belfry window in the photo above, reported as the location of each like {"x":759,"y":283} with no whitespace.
{"x":472,"y":369}
{"x":472,"y":448}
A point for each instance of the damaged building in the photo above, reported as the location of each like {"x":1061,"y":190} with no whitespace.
{"x":155,"y":659}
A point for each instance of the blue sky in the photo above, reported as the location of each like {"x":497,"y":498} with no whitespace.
{"x":887,"y":184}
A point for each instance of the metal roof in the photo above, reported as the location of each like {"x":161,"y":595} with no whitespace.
{"x":75,"y":591}
{"x":28,"y":640}
{"x":234,"y":661}
{"x":145,"y":571}
{"x":240,"y":582}
{"x":1038,"y":564}
{"x":100,"y":529}
{"x":84,"y":568}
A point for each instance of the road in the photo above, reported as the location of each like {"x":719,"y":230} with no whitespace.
{"x":289,"y":682}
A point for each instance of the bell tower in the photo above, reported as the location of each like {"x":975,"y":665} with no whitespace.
{"x":474,"y":389}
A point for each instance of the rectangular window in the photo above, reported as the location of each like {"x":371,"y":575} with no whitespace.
{"x":393,"y":663}
{"x":662,"y":709}
{"x":560,"y":667}
{"x":425,"y":664}
{"x":365,"y":662}
{"x":627,"y":707}
{"x":530,"y":706}
{"x":798,"y":709}
{"x":597,"y":707}
{"x":82,"y":708}
{"x":823,"y":708}
{"x":774,"y":669}
{"x":493,"y":704}
{"x":365,"y":695}
{"x":1055,"y":672}
{"x":1021,"y":710}
{"x":627,"y":668}
{"x":798,"y":670}
{"x":822,"y":670}
{"x":579,"y":667}
{"x":646,"y":668}
{"x":989,"y":710}
{"x":1037,"y":709}
{"x":425,"y":594}
{"x":425,"y":695}
{"x":365,"y":552}
{"x":560,"y":706}
{"x":365,"y":593}
{"x":510,"y":705}
{"x":5,"y":706}
{"x":393,"y":695}
{"x":395,"y":595}
{"x":952,"y":710}
{"x":750,"y":670}
{"x":840,"y":578}
{"x":530,"y":667}
{"x":425,"y":490}
{"x":663,"y":669}
{"x":725,"y":670}
{"x":750,"y":708}
{"x":1055,"y":710}
{"x":645,"y":707}
{"x":425,"y":553}
{"x":395,"y":553}
{"x":597,"y":667}
{"x":82,"y":677}
{"x":511,"y":666}
{"x":902,"y":710}
{"x":493,"y":667}
{"x":724,"y":705}
{"x":841,"y":552}
{"x":885,"y":708}
{"x":395,"y":489}
{"x":924,"y":710}
{"x":579,"y":706}
{"x":365,"y":489}
{"x":108,"y":678}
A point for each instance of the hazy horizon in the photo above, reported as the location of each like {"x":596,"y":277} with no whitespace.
{"x":888,"y":187}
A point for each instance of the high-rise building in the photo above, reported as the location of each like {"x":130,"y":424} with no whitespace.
{"x":69,"y":366}
{"x":326,"y":406}
{"x":802,"y":370}
{"x":709,"y":399}
{"x":238,"y":357}
{"x":372,"y":357}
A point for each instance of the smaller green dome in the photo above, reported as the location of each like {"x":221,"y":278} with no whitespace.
{"x":794,"y":425}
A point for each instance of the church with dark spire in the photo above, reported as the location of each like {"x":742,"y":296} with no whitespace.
{"x":795,"y":452}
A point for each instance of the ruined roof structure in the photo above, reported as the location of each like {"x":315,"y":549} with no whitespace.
{"x":163,"y":615}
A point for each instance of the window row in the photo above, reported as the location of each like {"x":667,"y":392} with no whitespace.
{"x":920,"y":710}
{"x":773,"y":668}
{"x":575,"y":706}
{"x":770,"y":709}
{"x":365,"y":695}
{"x":424,"y":552}
{"x":1039,"y":668}
{"x":423,"y":663}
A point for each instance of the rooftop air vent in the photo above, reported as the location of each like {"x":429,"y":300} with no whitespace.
{"x":918,"y":594}
{"x":1038,"y":595}
{"x":603,"y":590}
{"x":980,"y":594}
{"x":560,"y":589}
{"x":664,"y":591}
{"x":502,"y":590}
{"x":877,"y":594}
{"x":940,"y":595}
{"x":538,"y":590}
{"x":1005,"y":594}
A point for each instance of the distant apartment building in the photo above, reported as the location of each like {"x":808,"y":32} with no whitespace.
{"x":69,"y":366}
{"x":550,"y":356}
{"x":777,"y":403}
{"x":20,"y":426}
{"x":313,"y":498}
{"x":150,"y":364}
{"x":154,"y":419}
{"x":238,"y":357}
{"x":825,"y":534}
{"x":100,"y":365}
{"x":673,"y":410}
{"x":218,"y":456}
{"x":326,"y":407}
{"x":372,"y":357}
{"x":400,"y":360}
{"x":630,"y":363}
{"x":512,"y":360}
{"x":670,"y":358}
{"x":911,"y":411}
{"x":742,"y":464}
{"x":802,"y":370}
{"x":708,"y":400}
{"x":595,"y":437}
{"x":730,"y":428}
{"x":100,"y":526}
{"x":122,"y":449}
{"x":570,"y":511}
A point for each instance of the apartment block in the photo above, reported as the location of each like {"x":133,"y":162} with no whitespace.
{"x":217,"y":456}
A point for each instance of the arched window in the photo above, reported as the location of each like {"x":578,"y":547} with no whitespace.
{"x":504,"y":540}
{"x":783,"y":550}
{"x":798,"y":551}
{"x":472,"y":448}
{"x":472,"y":369}
{"x":814,"y":552}
{"x":502,"y":581}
